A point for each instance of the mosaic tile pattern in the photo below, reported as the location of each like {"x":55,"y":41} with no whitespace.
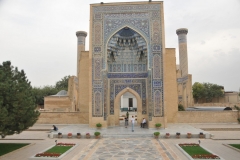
{"x":128,"y":149}
{"x":138,"y":85}
{"x":98,"y":104}
{"x":144,"y":19}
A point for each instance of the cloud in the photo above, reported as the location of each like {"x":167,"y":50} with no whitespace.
{"x":39,"y":37}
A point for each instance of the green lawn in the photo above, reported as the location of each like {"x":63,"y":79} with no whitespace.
{"x":9,"y":147}
{"x":58,"y":149}
{"x":192,"y":150}
{"x":235,"y":145}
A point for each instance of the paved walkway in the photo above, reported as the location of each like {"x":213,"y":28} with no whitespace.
{"x":121,"y":144}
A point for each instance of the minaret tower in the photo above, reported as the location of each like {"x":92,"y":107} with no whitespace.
{"x":81,"y":35}
{"x":183,"y":56}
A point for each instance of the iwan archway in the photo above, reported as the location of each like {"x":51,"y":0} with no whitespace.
{"x":126,"y":71}
{"x":127,"y":52}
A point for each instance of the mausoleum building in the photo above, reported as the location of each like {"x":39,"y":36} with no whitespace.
{"x":127,"y":58}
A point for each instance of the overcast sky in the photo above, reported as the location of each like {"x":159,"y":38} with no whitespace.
{"x":38,"y":36}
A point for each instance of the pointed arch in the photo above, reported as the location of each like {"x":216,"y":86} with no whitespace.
{"x":139,"y":103}
{"x":142,"y":34}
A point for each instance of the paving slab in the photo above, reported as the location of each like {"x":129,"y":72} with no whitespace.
{"x":135,"y":147}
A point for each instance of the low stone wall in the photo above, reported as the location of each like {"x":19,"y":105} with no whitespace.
{"x":63,"y":118}
{"x":218,"y":105}
{"x":207,"y":116}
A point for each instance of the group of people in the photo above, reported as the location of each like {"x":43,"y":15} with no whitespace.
{"x":133,"y":121}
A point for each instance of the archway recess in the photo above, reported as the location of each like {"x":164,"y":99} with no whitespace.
{"x":114,"y":119}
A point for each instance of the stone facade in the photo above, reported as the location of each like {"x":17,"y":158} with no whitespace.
{"x":57,"y":103}
{"x":207,"y":117}
{"x":127,"y":54}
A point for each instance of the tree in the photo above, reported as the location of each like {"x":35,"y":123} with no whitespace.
{"x":63,"y":83}
{"x":212,"y":91}
{"x":17,"y":103}
{"x":40,"y":93}
{"x":207,"y":91}
{"x":198,"y":91}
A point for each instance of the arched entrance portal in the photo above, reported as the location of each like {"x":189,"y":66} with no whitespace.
{"x":127,"y":63}
{"x":117,"y":105}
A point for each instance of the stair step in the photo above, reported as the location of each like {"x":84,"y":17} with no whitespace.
{"x":126,"y":135}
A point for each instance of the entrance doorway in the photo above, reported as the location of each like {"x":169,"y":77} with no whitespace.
{"x":113,"y":120}
{"x":128,"y":102}
{"x":128,"y":107}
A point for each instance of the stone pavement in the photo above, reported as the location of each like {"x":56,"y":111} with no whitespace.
{"x":121,"y":144}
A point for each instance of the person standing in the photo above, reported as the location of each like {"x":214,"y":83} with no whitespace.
{"x":127,"y":115}
{"x":126,"y":122}
{"x":133,"y":121}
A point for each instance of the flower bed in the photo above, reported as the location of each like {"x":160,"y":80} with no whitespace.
{"x":55,"y":152}
{"x":47,"y":155}
{"x":195,"y":151}
{"x":65,"y":144}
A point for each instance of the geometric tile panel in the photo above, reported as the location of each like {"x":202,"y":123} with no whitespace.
{"x":138,"y":85}
{"x":98,"y":33}
{"x":157,"y":103}
{"x":97,"y":68}
{"x":98,"y":104}
{"x":156,"y":67}
{"x":157,"y":83}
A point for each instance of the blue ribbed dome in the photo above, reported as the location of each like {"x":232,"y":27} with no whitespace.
{"x":126,"y":32}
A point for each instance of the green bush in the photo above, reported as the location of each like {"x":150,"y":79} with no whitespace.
{"x":156,"y":133}
{"x":238,"y":120}
{"x":99,"y":125}
{"x":180,"y":107}
{"x":97,"y":133}
{"x":158,"y":124}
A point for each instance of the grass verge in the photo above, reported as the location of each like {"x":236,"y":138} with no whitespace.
{"x":9,"y":147}
{"x":59,"y":149}
{"x":193,"y":150}
{"x":235,"y":145}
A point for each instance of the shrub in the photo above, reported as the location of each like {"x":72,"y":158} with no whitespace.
{"x":180,"y":107}
{"x":99,"y":125}
{"x":158,"y":124}
{"x":238,"y":120}
{"x":156,"y":133}
{"x":97,"y":133}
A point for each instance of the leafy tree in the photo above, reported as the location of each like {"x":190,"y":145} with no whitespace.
{"x":212,"y":91}
{"x":207,"y":91}
{"x":63,"y":83}
{"x":17,"y":103}
{"x":180,"y":107}
{"x":40,"y":93}
{"x":198,"y":91}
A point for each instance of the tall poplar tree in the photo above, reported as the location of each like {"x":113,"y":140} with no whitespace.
{"x":17,"y":103}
